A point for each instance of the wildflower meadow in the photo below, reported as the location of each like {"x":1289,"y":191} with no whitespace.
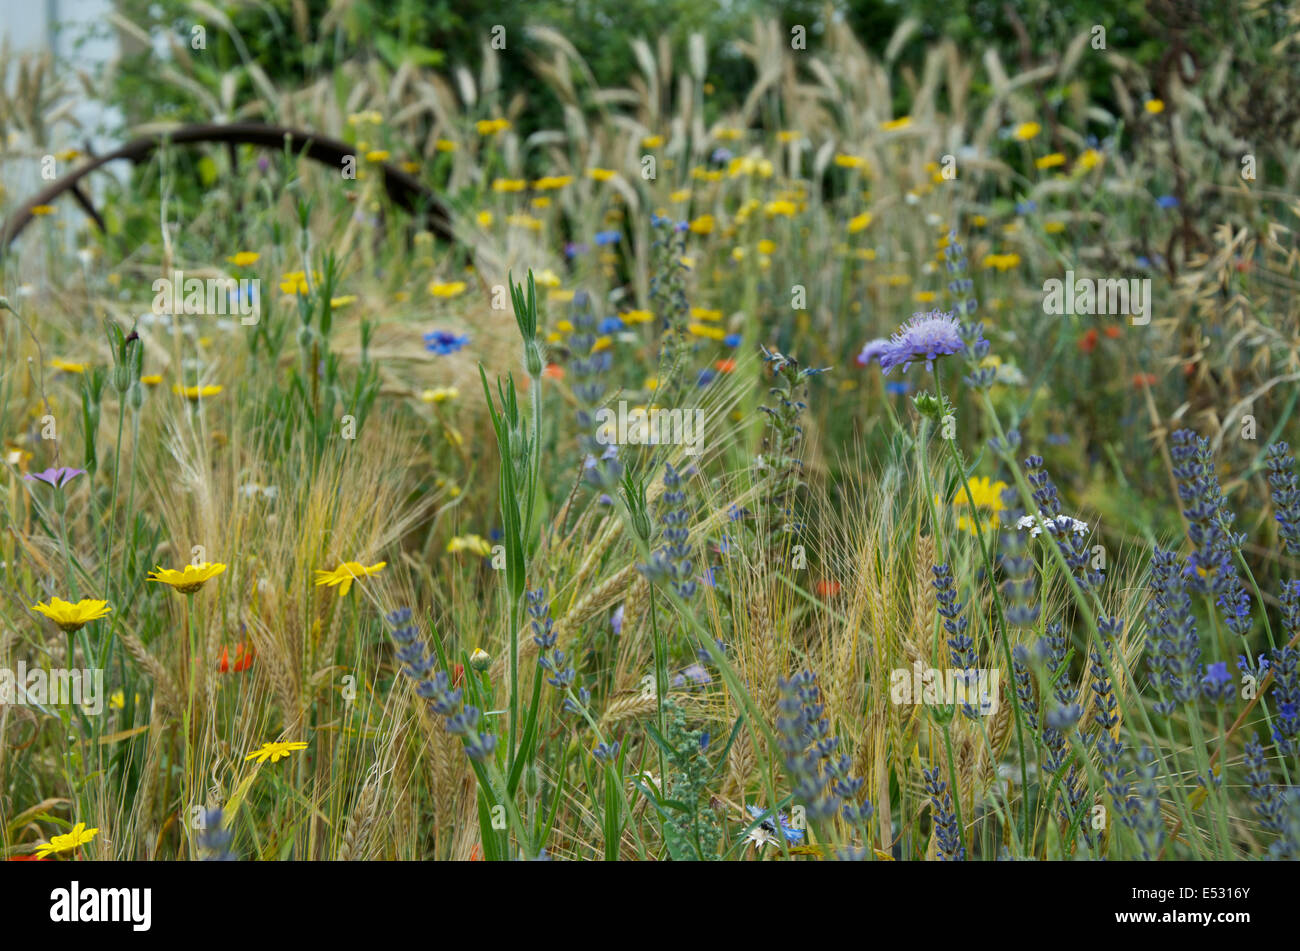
{"x":845,"y":432}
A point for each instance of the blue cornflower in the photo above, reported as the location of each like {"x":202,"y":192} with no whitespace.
{"x":766,"y":831}
{"x":898,"y":387}
{"x":603,"y":238}
{"x":732,"y":340}
{"x":1167,"y":201}
{"x":611,"y":325}
{"x":572,"y":250}
{"x":706,"y":376}
{"x":443,"y":342}
{"x":1026,"y":207}
{"x":925,"y":337}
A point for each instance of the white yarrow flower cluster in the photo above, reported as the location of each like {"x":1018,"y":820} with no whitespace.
{"x":1059,"y":525}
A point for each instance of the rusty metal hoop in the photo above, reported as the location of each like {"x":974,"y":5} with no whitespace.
{"x":403,"y":189}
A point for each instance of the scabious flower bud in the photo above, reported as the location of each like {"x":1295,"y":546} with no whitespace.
{"x":533,"y":358}
{"x":480,"y":660}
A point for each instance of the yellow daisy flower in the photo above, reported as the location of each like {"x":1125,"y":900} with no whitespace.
{"x":447,"y":289}
{"x":190,"y":578}
{"x":78,"y":837}
{"x":988,"y":499}
{"x":275,"y":751}
{"x":440,"y":394}
{"x":346,"y":573}
{"x":1026,"y":131}
{"x":73,"y":617}
{"x":197,"y":392}
{"x":68,"y":367}
{"x":707,"y":331}
{"x":475,"y":544}
{"x":243,"y":258}
{"x":702,"y":225}
{"x":552,"y":182}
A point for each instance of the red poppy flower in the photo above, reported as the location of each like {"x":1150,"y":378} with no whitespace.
{"x":1113,"y":332}
{"x":828,"y":587}
{"x":1144,"y":379}
{"x":243,"y":659}
{"x":1088,"y":342}
{"x":476,"y":853}
{"x":725,"y":366}
{"x":457,"y":674}
{"x":553,"y":371}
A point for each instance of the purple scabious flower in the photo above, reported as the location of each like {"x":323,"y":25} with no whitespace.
{"x":443,"y":342}
{"x":56,"y":477}
{"x":925,"y":337}
{"x":872,"y":350}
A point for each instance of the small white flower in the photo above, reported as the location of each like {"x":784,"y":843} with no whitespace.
{"x":1010,"y":375}
{"x":1061,"y":524}
{"x":760,"y":837}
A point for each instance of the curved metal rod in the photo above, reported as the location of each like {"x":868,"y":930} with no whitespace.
{"x":403,"y":189}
